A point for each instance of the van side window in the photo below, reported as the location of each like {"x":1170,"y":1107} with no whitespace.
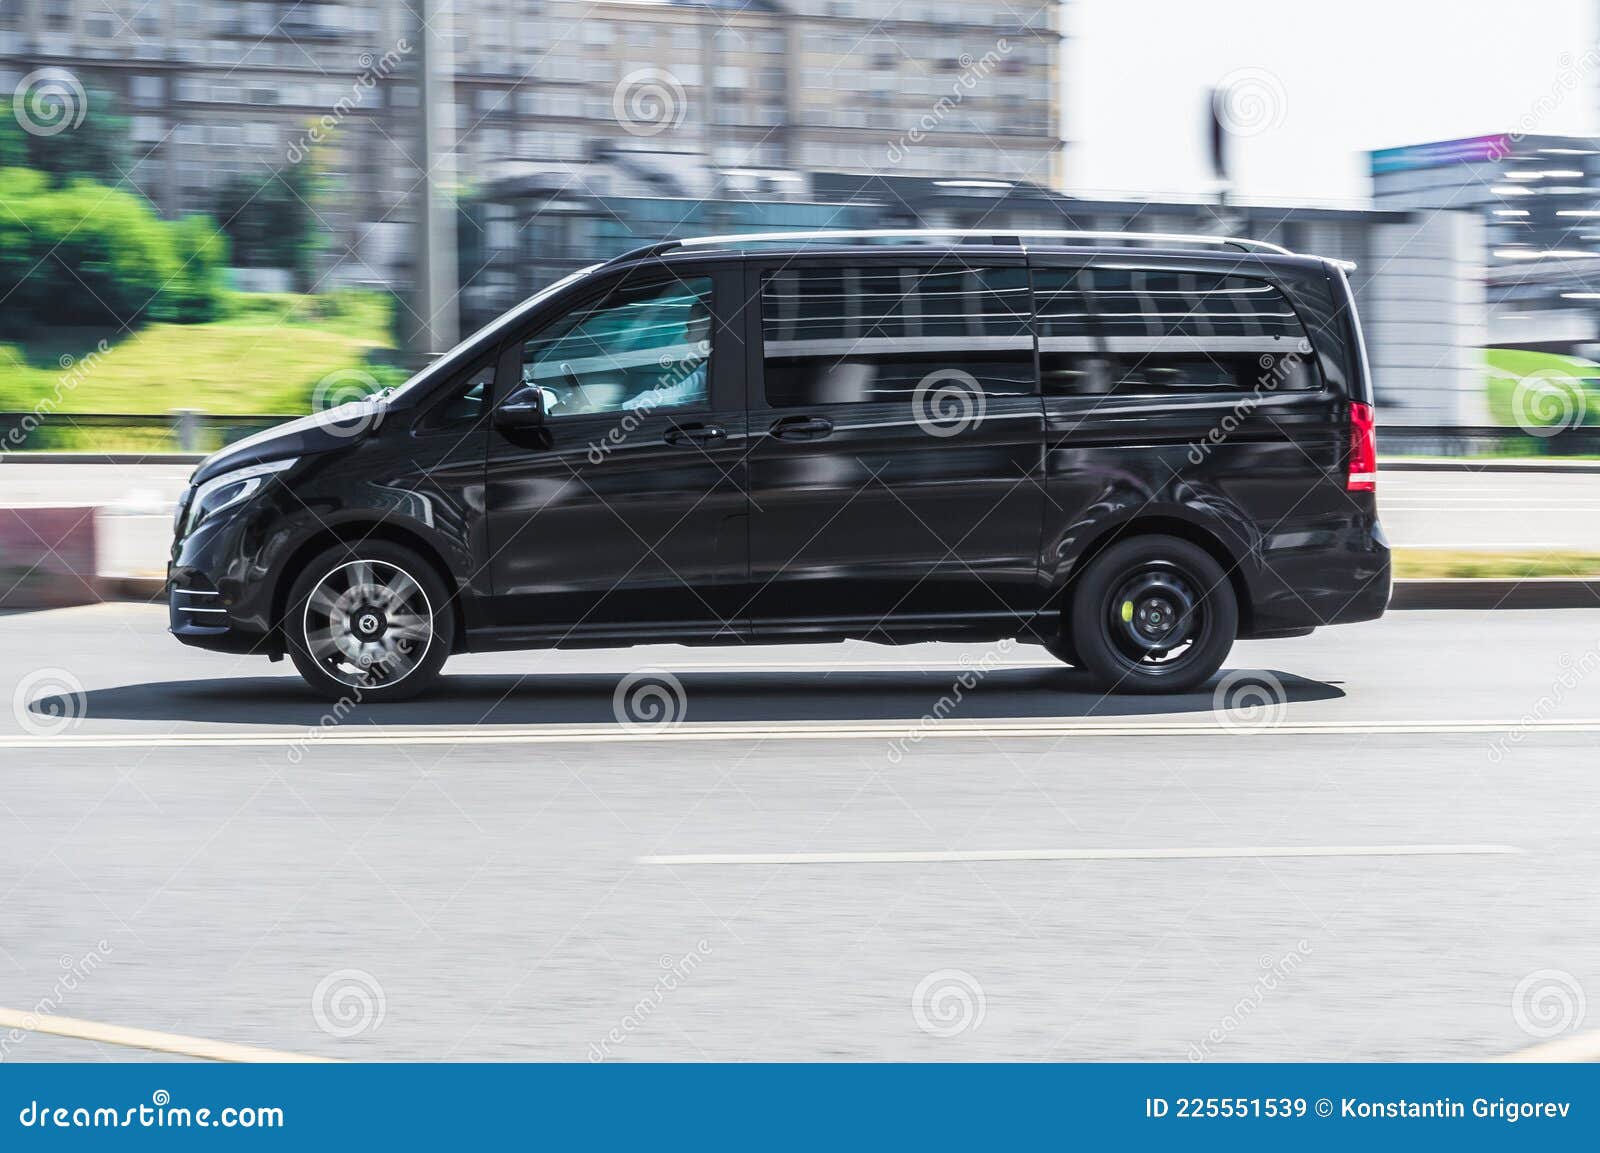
{"x":873,"y":333}
{"x":1133,"y":331}
{"x":638,"y":349}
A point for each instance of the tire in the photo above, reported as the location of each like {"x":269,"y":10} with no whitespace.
{"x":1061,"y":647}
{"x":375,"y":602}
{"x":1153,"y":614}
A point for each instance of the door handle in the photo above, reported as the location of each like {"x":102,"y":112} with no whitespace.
{"x":802,"y":428}
{"x":695,"y":434}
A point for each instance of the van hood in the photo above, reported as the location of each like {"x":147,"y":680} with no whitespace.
{"x":321,"y":432}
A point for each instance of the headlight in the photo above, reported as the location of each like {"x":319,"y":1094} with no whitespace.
{"x":229,"y":489}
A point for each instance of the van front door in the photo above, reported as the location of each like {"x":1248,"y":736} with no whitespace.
{"x":625,"y":509}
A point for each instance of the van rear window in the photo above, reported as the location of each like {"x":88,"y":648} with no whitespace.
{"x":1139,"y":331}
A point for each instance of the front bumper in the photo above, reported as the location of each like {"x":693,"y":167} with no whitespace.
{"x":216,"y":596}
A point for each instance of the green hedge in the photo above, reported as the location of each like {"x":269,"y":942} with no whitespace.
{"x":88,"y":254}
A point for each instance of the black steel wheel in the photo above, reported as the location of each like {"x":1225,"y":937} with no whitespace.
{"x":1153,"y":614}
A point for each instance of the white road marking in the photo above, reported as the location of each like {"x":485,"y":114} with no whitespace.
{"x":146,"y":1039}
{"x":910,"y":730}
{"x":939,"y":857}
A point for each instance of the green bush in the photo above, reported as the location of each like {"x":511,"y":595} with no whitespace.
{"x":86,"y":254}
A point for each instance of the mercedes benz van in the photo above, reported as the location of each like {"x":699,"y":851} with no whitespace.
{"x":1131,"y":448}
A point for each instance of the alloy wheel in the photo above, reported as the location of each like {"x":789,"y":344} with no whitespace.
{"x":368,"y":623}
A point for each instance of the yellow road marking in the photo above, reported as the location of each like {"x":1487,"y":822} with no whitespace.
{"x":146,"y":1039}
{"x":1578,"y":1047}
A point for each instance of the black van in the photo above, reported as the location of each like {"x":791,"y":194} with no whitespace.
{"x":1132,"y":448}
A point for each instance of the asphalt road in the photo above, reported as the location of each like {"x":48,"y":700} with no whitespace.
{"x":1548,"y":510}
{"x":466,"y":877}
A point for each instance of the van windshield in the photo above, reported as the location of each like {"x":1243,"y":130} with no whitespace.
{"x":441,"y":364}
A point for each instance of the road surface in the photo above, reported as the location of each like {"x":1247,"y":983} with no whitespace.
{"x":515,"y":870}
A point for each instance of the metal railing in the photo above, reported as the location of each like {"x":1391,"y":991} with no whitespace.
{"x":1486,"y":441}
{"x":184,"y":431}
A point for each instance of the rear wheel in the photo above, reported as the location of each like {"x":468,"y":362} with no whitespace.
{"x":1061,"y":647}
{"x":1153,"y":614}
{"x":369,"y":622}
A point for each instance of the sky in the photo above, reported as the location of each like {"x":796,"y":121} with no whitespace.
{"x":1334,"y":79}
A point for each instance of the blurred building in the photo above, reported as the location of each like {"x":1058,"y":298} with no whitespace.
{"x":1418,"y":276}
{"x":638,"y":99}
{"x":1538,"y":198}
{"x":216,"y":90}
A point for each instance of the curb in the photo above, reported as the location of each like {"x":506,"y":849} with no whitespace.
{"x":143,"y":589}
{"x":1496,"y":593}
{"x":1535,"y":465}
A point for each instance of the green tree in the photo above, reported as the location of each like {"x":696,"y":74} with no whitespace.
{"x":271,"y":221}
{"x":88,"y":254}
{"x":201,"y":283}
{"x":96,"y":149}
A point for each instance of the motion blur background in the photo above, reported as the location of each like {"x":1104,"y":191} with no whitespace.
{"x":215,"y":212}
{"x":1373,"y":843}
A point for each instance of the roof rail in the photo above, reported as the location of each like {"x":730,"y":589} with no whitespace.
{"x":997,"y":235}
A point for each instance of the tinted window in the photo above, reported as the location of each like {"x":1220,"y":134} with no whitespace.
{"x":834,"y":335}
{"x":1131,"y":330}
{"x":641,"y":348}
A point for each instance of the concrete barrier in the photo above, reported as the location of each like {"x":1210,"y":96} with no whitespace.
{"x":47,"y":557}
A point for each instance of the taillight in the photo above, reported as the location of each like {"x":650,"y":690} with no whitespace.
{"x":1363,"y":474}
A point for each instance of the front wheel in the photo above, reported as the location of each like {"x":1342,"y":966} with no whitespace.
{"x":1153,"y":614}
{"x":368,"y":622}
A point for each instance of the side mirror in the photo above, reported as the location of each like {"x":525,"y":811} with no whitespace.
{"x":524,"y":411}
